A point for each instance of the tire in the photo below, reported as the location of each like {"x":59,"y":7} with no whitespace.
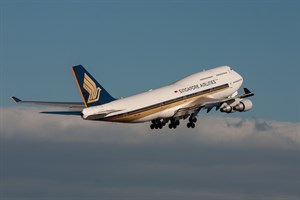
{"x":152,"y":126}
{"x":188,"y":125}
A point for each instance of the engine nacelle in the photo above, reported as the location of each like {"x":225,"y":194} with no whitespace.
{"x":226,"y":108}
{"x":243,"y":106}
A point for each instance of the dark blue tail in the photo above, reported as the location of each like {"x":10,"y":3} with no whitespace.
{"x":92,"y":92}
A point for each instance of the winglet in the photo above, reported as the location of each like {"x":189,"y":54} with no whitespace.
{"x":247,"y":93}
{"x":15,"y":99}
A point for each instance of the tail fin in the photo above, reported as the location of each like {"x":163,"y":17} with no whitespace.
{"x":91,"y":91}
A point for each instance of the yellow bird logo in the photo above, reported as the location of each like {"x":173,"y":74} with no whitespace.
{"x":90,"y":86}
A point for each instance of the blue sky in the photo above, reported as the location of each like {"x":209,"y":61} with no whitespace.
{"x":132,"y":46}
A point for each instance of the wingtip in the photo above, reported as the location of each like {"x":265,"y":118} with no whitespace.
{"x":15,"y":99}
{"x":247,"y":91}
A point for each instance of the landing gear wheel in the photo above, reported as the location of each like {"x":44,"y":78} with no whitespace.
{"x":188,"y":125}
{"x":152,"y":126}
{"x":170,"y":126}
{"x":193,"y":120}
{"x":193,"y":125}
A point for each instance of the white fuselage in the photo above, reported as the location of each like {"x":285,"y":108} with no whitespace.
{"x":196,"y":89}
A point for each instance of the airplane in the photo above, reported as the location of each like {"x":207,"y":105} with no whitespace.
{"x":215,"y":88}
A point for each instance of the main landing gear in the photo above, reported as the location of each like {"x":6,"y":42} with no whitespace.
{"x":160,"y":123}
{"x":173,"y":124}
{"x":191,"y":123}
{"x":157,"y":124}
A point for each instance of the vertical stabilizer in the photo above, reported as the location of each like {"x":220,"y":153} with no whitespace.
{"x":92,"y":93}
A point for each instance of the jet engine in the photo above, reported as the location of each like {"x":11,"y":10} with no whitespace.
{"x":227,"y":109}
{"x":243,"y":106}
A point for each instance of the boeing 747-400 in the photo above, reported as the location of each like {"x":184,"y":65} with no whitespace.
{"x":166,"y":105}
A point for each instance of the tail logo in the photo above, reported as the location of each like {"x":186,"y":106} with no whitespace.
{"x":90,"y":86}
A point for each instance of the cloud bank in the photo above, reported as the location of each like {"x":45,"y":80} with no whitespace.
{"x":222,"y":158}
{"x":27,"y":123}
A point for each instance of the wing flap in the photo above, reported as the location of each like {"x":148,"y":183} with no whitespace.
{"x":187,"y":111}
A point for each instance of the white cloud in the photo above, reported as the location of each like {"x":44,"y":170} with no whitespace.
{"x":24,"y":122}
{"x":222,"y":158}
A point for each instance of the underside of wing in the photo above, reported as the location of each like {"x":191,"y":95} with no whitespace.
{"x":209,"y":104}
{"x":79,"y":105}
{"x":228,"y":101}
{"x":187,"y":111}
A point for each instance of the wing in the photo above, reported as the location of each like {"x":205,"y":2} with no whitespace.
{"x":210,"y":104}
{"x":78,"y":105}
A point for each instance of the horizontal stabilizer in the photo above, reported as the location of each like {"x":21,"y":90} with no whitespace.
{"x":62,"y":112}
{"x":16,"y":100}
{"x":48,"y":103}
